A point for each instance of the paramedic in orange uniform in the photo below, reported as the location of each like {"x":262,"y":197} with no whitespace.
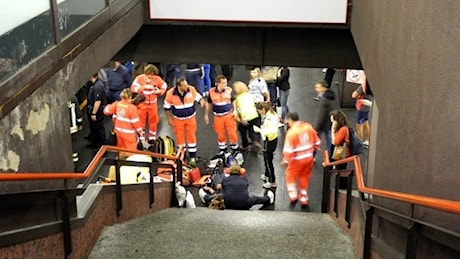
{"x":126,"y":123}
{"x":180,"y":111}
{"x":300,"y":142}
{"x":152,"y":86}
{"x":221,"y":100}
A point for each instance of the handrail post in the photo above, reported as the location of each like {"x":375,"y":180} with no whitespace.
{"x":66,"y":229}
{"x":119,"y":204}
{"x":326,"y":190}
{"x":411,"y":244}
{"x":178,"y":178}
{"x":336,"y":193}
{"x":153,"y":171}
{"x":368,"y":234}
{"x":348,"y":203}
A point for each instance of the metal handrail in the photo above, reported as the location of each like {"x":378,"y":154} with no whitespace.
{"x":450,"y":206}
{"x":89,"y":169}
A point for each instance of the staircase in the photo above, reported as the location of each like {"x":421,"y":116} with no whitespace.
{"x":206,"y":233}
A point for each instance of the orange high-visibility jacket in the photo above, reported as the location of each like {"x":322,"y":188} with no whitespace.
{"x":221,"y":101}
{"x":181,"y":106}
{"x":148,"y":84}
{"x":300,"y":142}
{"x":125,"y":118}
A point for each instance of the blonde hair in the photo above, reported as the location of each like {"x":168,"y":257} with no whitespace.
{"x":234,"y":169}
{"x":151,"y":69}
{"x":126,"y":93}
{"x":217,"y":202}
{"x":240,"y":87}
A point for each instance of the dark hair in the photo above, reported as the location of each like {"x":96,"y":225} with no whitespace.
{"x":265,"y":105}
{"x":341,"y":119}
{"x":292,"y":115}
{"x":219,"y":78}
{"x":368,"y":89}
{"x":179,"y":81}
{"x":96,"y":75}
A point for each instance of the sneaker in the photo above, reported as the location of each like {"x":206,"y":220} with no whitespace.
{"x":366,"y":144}
{"x":263,"y":177}
{"x":303,"y":200}
{"x":269,"y":185}
{"x":271,"y":196}
{"x":202,"y":193}
{"x":316,"y":98}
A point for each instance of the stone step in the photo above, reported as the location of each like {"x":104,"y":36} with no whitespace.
{"x":207,"y":233}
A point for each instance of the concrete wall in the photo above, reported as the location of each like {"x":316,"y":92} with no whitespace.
{"x":43,"y":118}
{"x":243,"y":45}
{"x":409,"y":50}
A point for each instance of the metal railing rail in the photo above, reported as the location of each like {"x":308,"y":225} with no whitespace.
{"x":413,"y":231}
{"x":92,"y":167}
{"x":80,"y":175}
{"x":451,"y":206}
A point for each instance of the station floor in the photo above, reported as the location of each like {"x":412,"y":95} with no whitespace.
{"x":302,"y":81}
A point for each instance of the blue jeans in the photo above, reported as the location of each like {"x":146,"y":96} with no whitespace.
{"x":284,"y":94}
{"x":272,"y":92}
{"x":207,"y":78}
{"x":172,"y":74}
{"x":194,"y":78}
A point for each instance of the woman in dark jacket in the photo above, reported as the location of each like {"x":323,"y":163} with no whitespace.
{"x":236,"y":194}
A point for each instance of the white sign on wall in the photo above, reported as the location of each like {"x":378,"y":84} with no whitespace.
{"x":355,"y":76}
{"x":271,"y":11}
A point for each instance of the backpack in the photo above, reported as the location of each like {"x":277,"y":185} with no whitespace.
{"x":356,"y":145}
{"x":233,"y":158}
{"x":164,"y":145}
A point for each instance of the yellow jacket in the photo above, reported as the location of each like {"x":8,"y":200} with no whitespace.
{"x":269,"y":127}
{"x":245,"y":107}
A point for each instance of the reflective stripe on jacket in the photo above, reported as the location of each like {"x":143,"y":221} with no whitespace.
{"x":125,"y":118}
{"x":301,"y":140}
{"x":221,"y":100}
{"x":148,"y":85}
{"x":181,"y":106}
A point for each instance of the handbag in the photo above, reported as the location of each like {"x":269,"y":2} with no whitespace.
{"x":340,"y":151}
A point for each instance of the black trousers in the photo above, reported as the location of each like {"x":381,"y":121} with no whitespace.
{"x":97,"y":128}
{"x":269,"y":150}
{"x":245,"y":129}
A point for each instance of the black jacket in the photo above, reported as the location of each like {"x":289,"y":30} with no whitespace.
{"x":326,"y":105}
{"x":282,"y":82}
{"x":235,"y":191}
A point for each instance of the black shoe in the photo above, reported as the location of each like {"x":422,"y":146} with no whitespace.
{"x":219,"y":155}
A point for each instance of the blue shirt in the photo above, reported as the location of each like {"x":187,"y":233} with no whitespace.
{"x":119,"y":79}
